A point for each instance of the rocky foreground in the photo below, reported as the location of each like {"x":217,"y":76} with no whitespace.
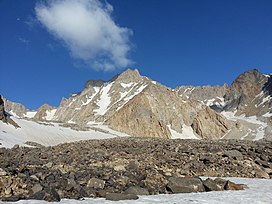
{"x":123,"y":168}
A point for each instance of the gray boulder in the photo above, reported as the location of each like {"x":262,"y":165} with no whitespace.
{"x":121,"y":196}
{"x":136,"y":190}
{"x":211,"y":185}
{"x":185,"y":185}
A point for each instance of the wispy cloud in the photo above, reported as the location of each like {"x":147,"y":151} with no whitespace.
{"x":24,"y":41}
{"x":88,"y":30}
{"x":31,"y":22}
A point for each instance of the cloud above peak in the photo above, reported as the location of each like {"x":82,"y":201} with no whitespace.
{"x":87,"y":29}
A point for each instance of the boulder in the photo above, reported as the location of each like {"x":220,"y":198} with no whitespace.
{"x":36,"y":188}
{"x":211,"y":185}
{"x":221,"y":183}
{"x":233,"y":186}
{"x":185,"y":185}
{"x":96,"y":183}
{"x":136,"y":190}
{"x":233,"y":154}
{"x":47,"y":194}
{"x":121,"y":196}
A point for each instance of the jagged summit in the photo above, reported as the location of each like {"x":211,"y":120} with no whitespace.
{"x":244,"y":91}
{"x":128,"y":76}
{"x":253,"y":76}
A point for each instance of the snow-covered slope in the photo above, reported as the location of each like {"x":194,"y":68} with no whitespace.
{"x":49,"y":133}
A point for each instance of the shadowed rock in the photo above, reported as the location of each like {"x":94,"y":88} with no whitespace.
{"x":121,"y":196}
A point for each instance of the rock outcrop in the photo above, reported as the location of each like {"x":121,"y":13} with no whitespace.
{"x":4,"y":117}
{"x":14,"y":108}
{"x":45,"y":112}
{"x":211,"y":125}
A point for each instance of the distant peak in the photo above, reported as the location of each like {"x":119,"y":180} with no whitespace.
{"x":253,"y":75}
{"x":128,"y":76}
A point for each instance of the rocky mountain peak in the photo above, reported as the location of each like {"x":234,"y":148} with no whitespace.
{"x":43,"y":112}
{"x":128,"y":76}
{"x":252,"y":76}
{"x":244,"y":89}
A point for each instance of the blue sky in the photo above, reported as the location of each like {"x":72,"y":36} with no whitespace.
{"x":49,"y":49}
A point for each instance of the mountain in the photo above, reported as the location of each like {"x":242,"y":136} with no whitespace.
{"x":135,"y":105}
{"x":138,"y":106}
{"x":247,"y":100}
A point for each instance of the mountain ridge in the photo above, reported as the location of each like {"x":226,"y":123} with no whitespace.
{"x":138,"y":106}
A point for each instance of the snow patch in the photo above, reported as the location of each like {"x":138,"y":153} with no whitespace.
{"x":30,"y":114}
{"x":126,"y":99}
{"x":268,"y":98}
{"x":50,"y":114}
{"x":71,"y":121}
{"x":46,"y":134}
{"x":104,"y":101}
{"x":126,"y":85}
{"x":73,"y":100}
{"x":218,"y":101}
{"x":267,"y":115}
{"x":260,"y":132}
{"x":187,"y":133}
{"x":89,"y":99}
{"x":13,"y":113}
{"x":105,"y":128}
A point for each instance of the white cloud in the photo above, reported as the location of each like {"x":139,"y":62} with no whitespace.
{"x":88,"y":30}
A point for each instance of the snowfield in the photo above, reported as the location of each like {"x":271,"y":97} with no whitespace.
{"x":260,"y":130}
{"x":259,"y":191}
{"x":48,"y":134}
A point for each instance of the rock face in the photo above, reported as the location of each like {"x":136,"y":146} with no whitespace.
{"x":16,"y":109}
{"x":138,"y":106}
{"x":2,"y":110}
{"x":209,"y":95}
{"x":211,"y":125}
{"x":124,"y":168}
{"x":247,"y":93}
{"x":3,"y":116}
